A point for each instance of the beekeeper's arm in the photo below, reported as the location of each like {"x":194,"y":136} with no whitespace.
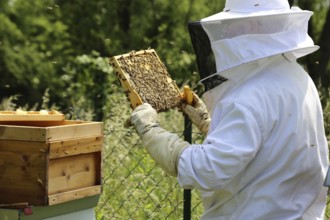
{"x":197,"y":113}
{"x":164,"y":147}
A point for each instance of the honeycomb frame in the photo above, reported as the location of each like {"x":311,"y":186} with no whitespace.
{"x":145,"y":79}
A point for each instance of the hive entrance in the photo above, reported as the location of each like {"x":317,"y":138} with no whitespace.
{"x":145,"y":79}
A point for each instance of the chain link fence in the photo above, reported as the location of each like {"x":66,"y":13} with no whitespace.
{"x":134,"y":187}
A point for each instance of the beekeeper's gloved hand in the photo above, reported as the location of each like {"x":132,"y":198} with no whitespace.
{"x":164,"y":147}
{"x":197,"y":113}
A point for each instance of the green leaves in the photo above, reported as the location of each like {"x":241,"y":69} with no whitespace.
{"x":63,"y":46}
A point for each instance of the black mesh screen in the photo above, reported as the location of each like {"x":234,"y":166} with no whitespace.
{"x":204,"y":55}
{"x":202,"y":46}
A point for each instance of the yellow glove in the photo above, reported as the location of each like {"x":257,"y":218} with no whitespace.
{"x":164,"y":147}
{"x":197,"y":113}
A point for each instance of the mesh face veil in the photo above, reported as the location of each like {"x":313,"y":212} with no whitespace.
{"x":229,"y":39}
{"x":204,"y":55}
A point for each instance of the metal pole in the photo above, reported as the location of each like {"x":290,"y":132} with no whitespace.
{"x":187,"y":192}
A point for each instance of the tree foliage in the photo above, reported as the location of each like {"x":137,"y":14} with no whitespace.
{"x":61,"y":47}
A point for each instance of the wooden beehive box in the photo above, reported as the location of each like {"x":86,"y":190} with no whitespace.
{"x":49,"y":162}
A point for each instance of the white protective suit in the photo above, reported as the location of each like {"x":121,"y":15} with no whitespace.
{"x":265,"y":155}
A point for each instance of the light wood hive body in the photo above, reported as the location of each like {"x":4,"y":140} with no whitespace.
{"x":49,"y":162}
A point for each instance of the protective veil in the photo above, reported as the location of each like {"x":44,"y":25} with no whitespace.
{"x":246,"y":31}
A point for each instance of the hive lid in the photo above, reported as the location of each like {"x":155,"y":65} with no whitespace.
{"x":145,"y":79}
{"x":20,"y":115}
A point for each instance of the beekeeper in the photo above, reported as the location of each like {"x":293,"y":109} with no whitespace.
{"x":265,"y":153}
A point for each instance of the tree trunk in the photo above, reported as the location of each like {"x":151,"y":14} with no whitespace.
{"x":324,"y":53}
{"x":291,"y":2}
{"x":124,"y":15}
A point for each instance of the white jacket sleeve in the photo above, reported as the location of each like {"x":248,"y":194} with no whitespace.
{"x":232,"y":142}
{"x":163,"y":146}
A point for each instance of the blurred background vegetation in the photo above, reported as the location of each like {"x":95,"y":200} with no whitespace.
{"x":58,"y":50}
{"x":54,"y":53}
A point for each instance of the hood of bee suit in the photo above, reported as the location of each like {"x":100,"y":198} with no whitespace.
{"x":245,"y":31}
